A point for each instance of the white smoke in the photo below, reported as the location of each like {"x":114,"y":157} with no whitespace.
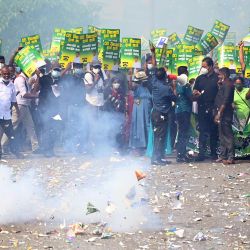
{"x":27,"y":200}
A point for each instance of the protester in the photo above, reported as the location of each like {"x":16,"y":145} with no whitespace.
{"x":24,"y":95}
{"x":141,"y":113}
{"x":94,"y":80}
{"x":48,"y":108}
{"x":241,"y":103}
{"x":162,"y":96}
{"x":204,"y":92}
{"x":7,"y":100}
{"x":183,"y":112}
{"x":224,"y":116}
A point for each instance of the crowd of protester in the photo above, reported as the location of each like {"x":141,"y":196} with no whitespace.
{"x":59,"y":108}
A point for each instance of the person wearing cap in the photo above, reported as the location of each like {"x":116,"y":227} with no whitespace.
{"x":140,"y":123}
{"x":94,"y":80}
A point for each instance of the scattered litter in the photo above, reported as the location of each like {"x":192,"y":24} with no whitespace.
{"x":200,"y":237}
{"x":91,"y":209}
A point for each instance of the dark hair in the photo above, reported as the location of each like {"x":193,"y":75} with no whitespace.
{"x":209,"y":61}
{"x":2,"y":58}
{"x":239,"y":78}
{"x":182,"y":70}
{"x":225,"y":71}
{"x":160,"y":74}
{"x":192,"y":80}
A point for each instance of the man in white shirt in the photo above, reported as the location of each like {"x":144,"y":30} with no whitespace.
{"x":24,"y":97}
{"x":7,"y":100}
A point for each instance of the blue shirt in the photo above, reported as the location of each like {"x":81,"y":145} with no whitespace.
{"x":162,"y":96}
{"x":183,"y":102}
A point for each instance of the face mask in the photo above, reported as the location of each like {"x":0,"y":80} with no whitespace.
{"x":96,"y":71}
{"x":116,"y":85}
{"x":203,"y":71}
{"x":1,"y":65}
{"x":55,"y":74}
{"x":150,"y":66}
{"x":182,"y":79}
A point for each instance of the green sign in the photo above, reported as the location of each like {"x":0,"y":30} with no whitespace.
{"x":33,"y":42}
{"x":110,"y":55}
{"x":131,"y":53}
{"x":29,"y":60}
{"x":194,"y":66}
{"x":50,"y":55}
{"x":220,"y":30}
{"x":226,"y":57}
{"x":207,"y":43}
{"x":156,"y":34}
{"x":71,"y":49}
{"x":173,"y":40}
{"x":59,"y":35}
{"x":192,"y":35}
{"x":89,"y":47}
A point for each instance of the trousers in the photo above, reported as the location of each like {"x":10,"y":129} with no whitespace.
{"x":226,"y":138}
{"x":7,"y":128}
{"x":159,"y":123}
{"x":183,"y":122}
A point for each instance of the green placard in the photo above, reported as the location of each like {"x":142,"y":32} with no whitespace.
{"x":130,"y":52}
{"x":29,"y":60}
{"x":181,"y":54}
{"x":71,"y":49}
{"x":226,"y":57}
{"x":192,"y":35}
{"x":207,"y":43}
{"x":33,"y":42}
{"x":156,"y":34}
{"x":110,"y":55}
{"x":194,"y":66}
{"x":50,"y":55}
{"x":112,"y":35}
{"x":173,"y":40}
{"x":89,"y":47}
{"x":59,"y":35}
{"x":220,"y":30}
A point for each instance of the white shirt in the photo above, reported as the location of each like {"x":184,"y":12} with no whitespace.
{"x":95,"y":98}
{"x":7,"y":96}
{"x":22,"y":87}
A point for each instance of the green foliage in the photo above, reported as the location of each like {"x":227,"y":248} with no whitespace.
{"x":28,"y":17}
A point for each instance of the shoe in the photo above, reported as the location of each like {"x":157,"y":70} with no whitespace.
{"x":228,"y":162}
{"x":166,"y":161}
{"x":159,"y":163}
{"x":219,"y":160}
{"x":38,"y":151}
{"x":199,"y":158}
{"x":183,"y":160}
